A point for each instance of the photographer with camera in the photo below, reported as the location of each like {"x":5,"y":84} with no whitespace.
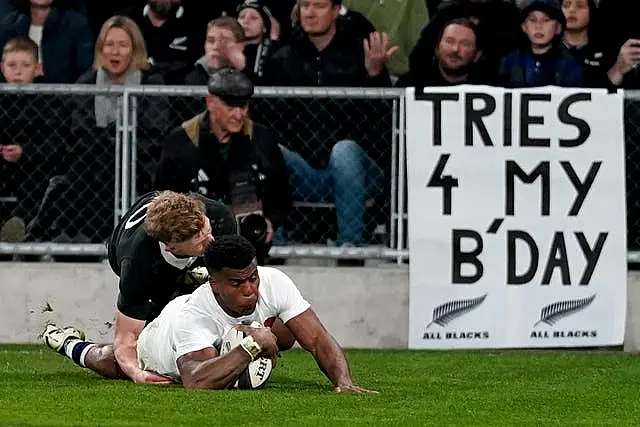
{"x":225,"y":156}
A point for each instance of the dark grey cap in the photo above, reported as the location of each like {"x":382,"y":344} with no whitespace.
{"x":231,"y":85}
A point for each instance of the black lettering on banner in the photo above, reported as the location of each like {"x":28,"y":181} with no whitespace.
{"x":526,"y":119}
{"x":507,"y":126}
{"x":513,"y":278}
{"x":474,"y":117}
{"x":584,"y":131}
{"x":458,"y":257}
{"x":582,"y":188}
{"x":447,"y":182}
{"x":591,"y":255}
{"x":512,"y":170}
{"x":437,"y":99}
{"x":557,"y":259}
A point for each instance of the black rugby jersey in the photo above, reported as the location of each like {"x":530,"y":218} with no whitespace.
{"x":150,"y":276}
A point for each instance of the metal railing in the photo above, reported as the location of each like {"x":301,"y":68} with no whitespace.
{"x":303,"y":118}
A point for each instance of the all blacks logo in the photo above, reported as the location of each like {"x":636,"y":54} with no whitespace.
{"x":445,"y":313}
{"x":552,"y":313}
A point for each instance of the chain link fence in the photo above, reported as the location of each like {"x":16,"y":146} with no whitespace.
{"x":632,"y":149}
{"x":100,"y":148}
{"x":58,"y":163}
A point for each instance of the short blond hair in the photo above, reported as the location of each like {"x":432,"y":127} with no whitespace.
{"x":140,"y":60}
{"x":21,"y":44}
{"x":174,"y":217}
{"x":230,"y":24}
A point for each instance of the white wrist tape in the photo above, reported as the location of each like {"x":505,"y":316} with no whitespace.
{"x":250,"y":346}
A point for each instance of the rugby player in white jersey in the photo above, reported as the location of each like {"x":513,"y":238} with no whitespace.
{"x":179,"y":343}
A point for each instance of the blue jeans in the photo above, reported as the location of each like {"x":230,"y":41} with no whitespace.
{"x":351,"y":178}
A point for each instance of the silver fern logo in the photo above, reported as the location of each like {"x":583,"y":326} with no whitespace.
{"x":445,"y":313}
{"x":551,"y":313}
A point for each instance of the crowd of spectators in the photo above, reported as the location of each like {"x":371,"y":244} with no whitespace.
{"x":524,"y":43}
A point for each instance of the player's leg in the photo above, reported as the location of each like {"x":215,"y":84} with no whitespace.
{"x":70,"y":342}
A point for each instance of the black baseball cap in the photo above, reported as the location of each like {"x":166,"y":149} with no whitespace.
{"x":232,"y":86}
{"x":552,"y":8}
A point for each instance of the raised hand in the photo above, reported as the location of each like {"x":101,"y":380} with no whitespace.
{"x":377,"y":51}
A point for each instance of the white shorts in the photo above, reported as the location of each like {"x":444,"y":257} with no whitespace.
{"x":155,"y":347}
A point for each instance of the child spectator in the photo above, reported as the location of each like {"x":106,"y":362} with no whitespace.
{"x":30,"y":138}
{"x":20,"y":62}
{"x":581,"y":38}
{"x":223,"y":48}
{"x":544,"y":60}
{"x":260,"y":36}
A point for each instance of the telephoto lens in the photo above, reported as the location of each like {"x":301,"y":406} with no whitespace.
{"x":254,"y":228}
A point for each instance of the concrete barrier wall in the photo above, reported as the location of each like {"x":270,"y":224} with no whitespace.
{"x":364,"y":308}
{"x":361,"y":307}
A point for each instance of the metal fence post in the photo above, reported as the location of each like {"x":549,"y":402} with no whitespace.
{"x":126,"y":153}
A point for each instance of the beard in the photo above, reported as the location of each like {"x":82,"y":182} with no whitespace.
{"x":460,"y":71}
{"x":162,"y":9}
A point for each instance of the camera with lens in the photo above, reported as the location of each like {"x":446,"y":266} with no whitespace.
{"x":253,"y":227}
{"x":246,"y":204}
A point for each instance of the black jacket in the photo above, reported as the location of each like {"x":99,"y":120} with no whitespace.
{"x":432,"y":77}
{"x":499,"y":31}
{"x":341,"y":63}
{"x":192,"y":148}
{"x":67,"y":43}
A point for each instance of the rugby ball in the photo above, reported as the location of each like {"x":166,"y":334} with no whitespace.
{"x":258,"y":372}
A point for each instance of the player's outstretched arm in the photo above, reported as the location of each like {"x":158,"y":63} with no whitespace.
{"x":127,"y":331}
{"x":313,"y":337}
{"x":206,"y":369}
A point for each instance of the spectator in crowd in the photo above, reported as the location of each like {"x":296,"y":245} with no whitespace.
{"x":498,"y":31}
{"x":355,"y":21}
{"x":173,"y":41}
{"x":327,"y":52}
{"x":455,"y":61}
{"x":31,"y":134}
{"x":261,"y":34}
{"x":223,"y":48}
{"x":544,"y":60}
{"x":85,"y":207}
{"x":581,"y":36}
{"x":621,"y":39}
{"x":62,"y":35}
{"x":227,"y":157}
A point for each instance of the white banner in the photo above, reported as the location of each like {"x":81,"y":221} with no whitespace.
{"x":517,"y":225}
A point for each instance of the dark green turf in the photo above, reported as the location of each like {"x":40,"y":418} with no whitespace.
{"x":39,"y":387}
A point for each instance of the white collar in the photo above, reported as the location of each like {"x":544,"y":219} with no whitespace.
{"x":171,"y":259}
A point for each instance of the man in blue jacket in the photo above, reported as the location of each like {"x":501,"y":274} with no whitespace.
{"x":63,"y":36}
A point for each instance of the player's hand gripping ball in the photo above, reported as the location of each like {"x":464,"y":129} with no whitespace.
{"x":258,"y":372}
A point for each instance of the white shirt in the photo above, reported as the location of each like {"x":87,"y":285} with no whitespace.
{"x":35,"y":34}
{"x":194,"y":322}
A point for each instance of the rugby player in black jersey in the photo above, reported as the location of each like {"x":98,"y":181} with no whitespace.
{"x":154,"y":250}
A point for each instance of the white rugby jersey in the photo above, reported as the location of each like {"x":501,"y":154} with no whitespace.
{"x":196,"y":321}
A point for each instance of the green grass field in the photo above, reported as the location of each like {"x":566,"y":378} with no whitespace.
{"x":39,"y":387}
